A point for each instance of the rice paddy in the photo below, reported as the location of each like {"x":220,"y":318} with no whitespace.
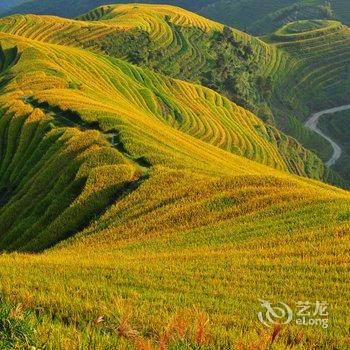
{"x":139,"y":211}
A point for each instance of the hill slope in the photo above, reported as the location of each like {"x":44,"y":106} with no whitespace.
{"x":165,"y":205}
{"x":248,"y":15}
{"x":335,"y":125}
{"x":310,"y":70}
{"x":313,"y":57}
{"x":179,"y":40}
{"x":264,"y":17}
{"x":147,"y":117}
{"x":159,"y":201}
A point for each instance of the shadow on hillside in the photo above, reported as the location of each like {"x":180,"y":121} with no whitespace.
{"x":76,"y":218}
{"x":8,"y":57}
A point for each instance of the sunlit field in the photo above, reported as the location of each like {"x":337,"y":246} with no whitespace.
{"x":139,"y":210}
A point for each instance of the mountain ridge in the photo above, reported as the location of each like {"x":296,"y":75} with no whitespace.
{"x":272,"y":15}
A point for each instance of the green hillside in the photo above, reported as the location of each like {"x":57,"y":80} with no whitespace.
{"x":261,"y":17}
{"x":254,"y":16}
{"x":126,"y":105}
{"x":312,"y":58}
{"x":185,"y":46}
{"x":287,"y":75}
{"x":311,"y":72}
{"x":143,"y":211}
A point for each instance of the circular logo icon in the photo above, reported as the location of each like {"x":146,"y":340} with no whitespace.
{"x":280,"y":313}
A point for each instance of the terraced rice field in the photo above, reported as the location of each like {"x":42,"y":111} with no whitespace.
{"x":310,"y":70}
{"x":148,"y":283}
{"x":153,"y":117}
{"x":259,"y":17}
{"x":167,"y":27}
{"x":305,"y":50}
{"x":172,"y":29}
{"x":165,"y":209}
{"x":323,"y":53}
{"x":199,"y":123}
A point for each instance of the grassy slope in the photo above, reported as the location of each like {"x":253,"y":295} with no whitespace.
{"x":309,"y":70}
{"x":114,"y":97}
{"x":184,"y":229}
{"x":188,"y":51}
{"x":161,"y":282}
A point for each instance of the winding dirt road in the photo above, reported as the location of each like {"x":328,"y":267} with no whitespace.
{"x":312,"y":123}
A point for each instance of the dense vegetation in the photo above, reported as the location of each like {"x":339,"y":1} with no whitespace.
{"x":228,"y":67}
{"x":160,"y":210}
{"x":337,"y":126}
{"x":16,"y":327}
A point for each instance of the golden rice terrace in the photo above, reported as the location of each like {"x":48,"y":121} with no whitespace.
{"x":146,"y":202}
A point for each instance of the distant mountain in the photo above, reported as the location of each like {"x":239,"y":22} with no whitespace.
{"x":6,"y":5}
{"x":260,"y":17}
{"x":68,"y":8}
{"x":253,"y":16}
